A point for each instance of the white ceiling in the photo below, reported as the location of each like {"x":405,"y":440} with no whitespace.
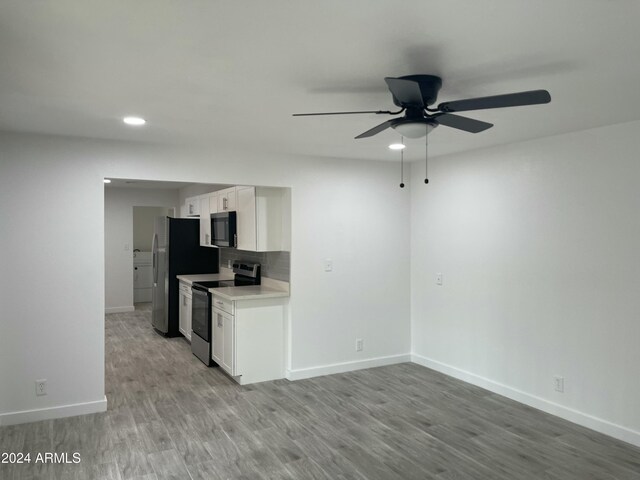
{"x":233,"y":72}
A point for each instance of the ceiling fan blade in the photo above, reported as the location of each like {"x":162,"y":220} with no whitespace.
{"x":345,"y":113}
{"x":407,"y":92}
{"x":532,"y":97}
{"x":377,"y":129}
{"x":462,"y":123}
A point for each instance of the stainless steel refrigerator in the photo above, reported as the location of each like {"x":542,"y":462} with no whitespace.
{"x":176,"y":250}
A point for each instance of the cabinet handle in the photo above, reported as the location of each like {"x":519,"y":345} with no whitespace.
{"x":184,"y":301}
{"x":235,"y":239}
{"x":218,"y":302}
{"x":206,"y":238}
{"x":219,"y":320}
{"x":224,"y":203}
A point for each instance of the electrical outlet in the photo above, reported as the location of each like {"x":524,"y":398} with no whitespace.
{"x":359,"y":344}
{"x":558,"y":383}
{"x":328,"y":265}
{"x":41,"y":387}
{"x":438,"y":279}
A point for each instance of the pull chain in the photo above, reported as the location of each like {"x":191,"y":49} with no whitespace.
{"x":402,"y":164}
{"x":426,"y":156}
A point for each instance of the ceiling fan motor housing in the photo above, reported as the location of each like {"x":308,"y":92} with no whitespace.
{"x":429,"y":88}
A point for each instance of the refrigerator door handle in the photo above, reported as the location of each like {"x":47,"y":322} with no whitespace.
{"x":154,"y":249}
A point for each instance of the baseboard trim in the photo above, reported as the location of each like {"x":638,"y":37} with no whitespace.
{"x":302,"y":373}
{"x":575,"y":416}
{"x":120,"y":309}
{"x":26,"y":416}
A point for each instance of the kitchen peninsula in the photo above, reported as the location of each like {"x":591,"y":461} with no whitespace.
{"x":247,"y":326}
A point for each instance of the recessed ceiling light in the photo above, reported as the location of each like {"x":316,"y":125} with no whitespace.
{"x":106,"y":180}
{"x":397,"y":146}
{"x":135,"y":121}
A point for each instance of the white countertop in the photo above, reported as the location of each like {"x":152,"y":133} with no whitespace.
{"x":204,"y":277}
{"x":269,"y":289}
{"x":249,"y":292}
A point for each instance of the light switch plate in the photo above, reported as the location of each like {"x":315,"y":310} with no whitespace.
{"x":328,"y":265}
{"x":438,"y":279}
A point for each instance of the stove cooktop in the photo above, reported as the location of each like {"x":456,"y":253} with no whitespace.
{"x":215,"y":283}
{"x":224,"y":283}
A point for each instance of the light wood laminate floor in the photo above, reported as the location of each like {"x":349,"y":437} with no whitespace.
{"x":170,"y":417}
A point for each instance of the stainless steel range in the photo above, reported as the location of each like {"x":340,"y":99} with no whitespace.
{"x":246,"y":274}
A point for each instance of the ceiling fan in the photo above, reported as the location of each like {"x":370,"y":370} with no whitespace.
{"x":415,"y":93}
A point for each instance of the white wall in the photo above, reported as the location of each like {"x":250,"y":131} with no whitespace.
{"x":538,"y":244}
{"x":52,"y":192}
{"x":52,"y":282}
{"x":118,"y":239}
{"x":144,"y":220}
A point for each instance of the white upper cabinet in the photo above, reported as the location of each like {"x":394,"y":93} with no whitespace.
{"x":263,"y":216}
{"x":208,"y":205}
{"x":246,"y":219}
{"x":259,"y":219}
{"x":192,"y":206}
{"x":205,"y":222}
{"x":227,"y":200}
{"x":213,"y":202}
{"x":184,"y":210}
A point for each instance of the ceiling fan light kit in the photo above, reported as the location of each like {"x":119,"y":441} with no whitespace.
{"x":415,"y":93}
{"x":414,"y":129}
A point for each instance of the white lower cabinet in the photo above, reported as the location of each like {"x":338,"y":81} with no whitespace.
{"x":217,"y":325}
{"x":229,"y":347}
{"x":184,"y":313}
{"x":248,"y":342}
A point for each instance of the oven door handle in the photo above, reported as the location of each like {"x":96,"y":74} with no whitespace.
{"x":199,"y":291}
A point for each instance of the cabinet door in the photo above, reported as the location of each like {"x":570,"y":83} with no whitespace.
{"x":184,"y":211}
{"x":213,"y":203}
{"x":188,"y":317}
{"x":222,"y":201}
{"x":205,"y":222}
{"x":193,"y":206}
{"x":217,"y":333}
{"x":227,"y":200}
{"x":182,"y":314}
{"x":229,"y":344}
{"x":231,"y":199}
{"x":246,"y":218}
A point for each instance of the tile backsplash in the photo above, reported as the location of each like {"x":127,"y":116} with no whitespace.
{"x":274,"y":265}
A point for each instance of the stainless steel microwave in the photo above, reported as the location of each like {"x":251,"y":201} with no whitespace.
{"x":223,"y":229}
